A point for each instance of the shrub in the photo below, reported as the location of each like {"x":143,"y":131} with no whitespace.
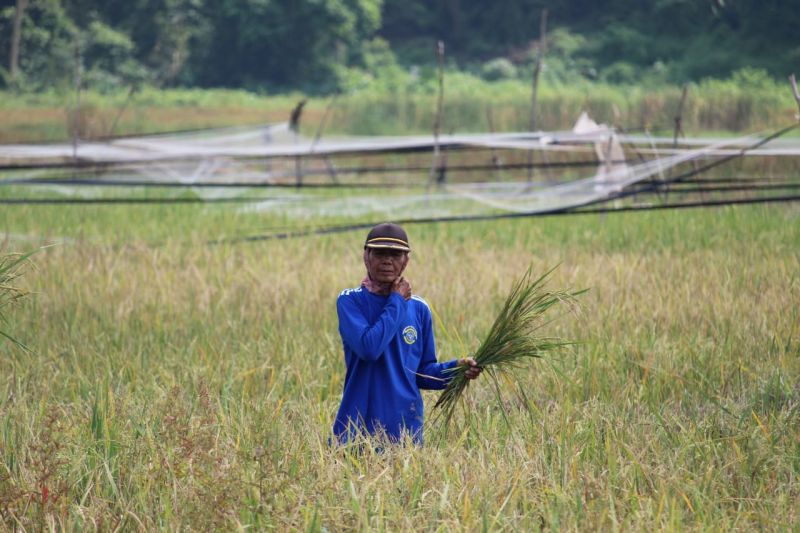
{"x":498,"y":69}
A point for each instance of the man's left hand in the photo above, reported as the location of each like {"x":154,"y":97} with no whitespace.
{"x":474,"y":370}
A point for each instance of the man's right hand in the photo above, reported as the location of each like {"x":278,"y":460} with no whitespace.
{"x":402,"y":287}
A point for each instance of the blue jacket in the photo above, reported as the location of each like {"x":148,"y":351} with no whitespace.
{"x":390,"y":355}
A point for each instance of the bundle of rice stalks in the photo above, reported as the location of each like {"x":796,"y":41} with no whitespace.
{"x":513,"y":339}
{"x":10,"y":269}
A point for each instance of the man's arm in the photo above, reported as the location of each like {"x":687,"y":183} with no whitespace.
{"x":369,"y":341}
{"x":430,"y":373}
{"x":433,"y":375}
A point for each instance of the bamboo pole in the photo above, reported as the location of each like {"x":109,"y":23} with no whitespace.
{"x":437,"y":122}
{"x":76,"y":117}
{"x":496,"y":162}
{"x":535,"y":82}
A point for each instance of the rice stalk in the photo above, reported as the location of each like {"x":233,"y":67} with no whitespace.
{"x":10,"y":269}
{"x":513,"y":338}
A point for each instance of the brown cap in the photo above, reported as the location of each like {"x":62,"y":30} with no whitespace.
{"x":387,"y":235}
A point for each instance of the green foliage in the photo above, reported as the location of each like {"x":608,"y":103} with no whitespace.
{"x":47,"y":45}
{"x":379,"y":72}
{"x":564,"y":62}
{"x":750,"y":78}
{"x":620,"y":72}
{"x":282,"y":44}
{"x":498,"y":69}
{"x":692,"y":40}
{"x":325,"y":47}
{"x":110,"y":56}
{"x":232,"y":43}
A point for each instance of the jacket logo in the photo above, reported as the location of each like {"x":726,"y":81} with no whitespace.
{"x":410,"y":335}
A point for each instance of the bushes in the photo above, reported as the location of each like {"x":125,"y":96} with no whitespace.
{"x":748,"y":101}
{"x":403,"y":101}
{"x":498,"y":69}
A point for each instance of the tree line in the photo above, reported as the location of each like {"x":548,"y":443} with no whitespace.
{"x":317,"y":45}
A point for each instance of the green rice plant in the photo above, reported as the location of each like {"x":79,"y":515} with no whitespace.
{"x":513,"y":338}
{"x":10,"y":269}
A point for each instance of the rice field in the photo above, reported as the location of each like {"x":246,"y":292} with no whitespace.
{"x":173,"y":384}
{"x":177,"y":380}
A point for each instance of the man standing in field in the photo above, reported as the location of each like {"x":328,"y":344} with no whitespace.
{"x":389,"y":347}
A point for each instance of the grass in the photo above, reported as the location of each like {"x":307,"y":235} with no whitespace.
{"x":713,"y":105}
{"x":194,"y":386}
{"x":48,"y":116}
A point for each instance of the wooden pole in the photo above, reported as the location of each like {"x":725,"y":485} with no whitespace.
{"x":678,"y":131}
{"x":679,"y":117}
{"x":796,"y":94}
{"x":535,"y":82}
{"x":76,"y":117}
{"x":16,"y":37}
{"x":294,"y":126}
{"x":294,"y":117}
{"x":437,"y":122}
{"x":496,"y":162}
{"x":320,"y":129}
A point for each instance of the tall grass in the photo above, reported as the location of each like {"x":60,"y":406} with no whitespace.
{"x":710,"y":106}
{"x":187,"y":386}
{"x":736,"y":105}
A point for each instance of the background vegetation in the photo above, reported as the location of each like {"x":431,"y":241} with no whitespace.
{"x":151,"y":65}
{"x":321,"y":47}
{"x":748,"y":101}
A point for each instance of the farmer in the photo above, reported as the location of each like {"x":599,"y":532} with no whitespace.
{"x":389,"y":348}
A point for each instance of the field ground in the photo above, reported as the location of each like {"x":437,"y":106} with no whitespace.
{"x":175,"y":384}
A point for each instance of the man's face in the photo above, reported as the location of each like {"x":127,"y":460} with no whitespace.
{"x":385,"y":265}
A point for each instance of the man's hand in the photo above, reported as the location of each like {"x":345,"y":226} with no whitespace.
{"x":402,"y":287}
{"x":474,"y":370}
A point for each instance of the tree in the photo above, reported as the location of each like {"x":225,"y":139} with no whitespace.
{"x":282,"y":43}
{"x":45,"y":43}
{"x":13,"y":61}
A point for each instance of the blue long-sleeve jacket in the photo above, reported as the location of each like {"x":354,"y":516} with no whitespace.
{"x":390,"y":355}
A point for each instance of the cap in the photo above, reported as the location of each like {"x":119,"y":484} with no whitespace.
{"x":387,"y":235}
